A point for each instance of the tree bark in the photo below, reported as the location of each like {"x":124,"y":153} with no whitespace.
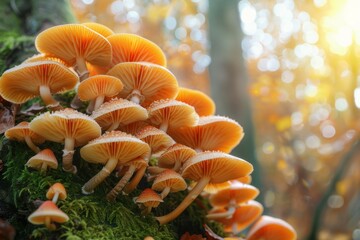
{"x":228,"y":75}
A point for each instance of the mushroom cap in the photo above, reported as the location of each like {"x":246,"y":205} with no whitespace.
{"x":99,"y":28}
{"x":21,"y":130}
{"x":96,"y":70}
{"x":22,"y":83}
{"x":149,"y":198}
{"x":238,"y":192}
{"x":169,"y":178}
{"x":244,"y":215}
{"x":203,"y":104}
{"x":95,"y":86}
{"x":152,"y":81}
{"x":219,"y":166}
{"x":45,"y":156}
{"x":56,"y":187}
{"x":115,"y":144}
{"x":175,"y":113}
{"x":133,"y":128}
{"x":215,"y":187}
{"x":246,"y":179}
{"x":44,"y":57}
{"x":176,"y":152}
{"x":71,"y":41}
{"x":270,"y":228}
{"x":48,"y":209}
{"x":211,"y":133}
{"x":119,"y":110}
{"x":67,"y":123}
{"x":157,"y":139}
{"x":129,"y":47}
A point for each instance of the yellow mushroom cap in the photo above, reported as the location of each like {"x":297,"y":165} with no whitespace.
{"x":95,"y":86}
{"x":133,"y":48}
{"x":114,"y":144}
{"x":270,"y":228}
{"x":48,"y":209}
{"x":45,"y":156}
{"x":152,"y":82}
{"x":203,"y":104}
{"x":22,"y":83}
{"x":176,"y":152}
{"x":71,"y":41}
{"x":157,"y":139}
{"x":173,"y":113}
{"x":56,"y":187}
{"x":219,"y":166}
{"x":119,"y":110}
{"x":149,"y":198}
{"x":169,"y":178}
{"x":67,"y":123}
{"x":99,"y":28}
{"x":237,"y":191}
{"x":211,"y":133}
{"x":21,"y":130}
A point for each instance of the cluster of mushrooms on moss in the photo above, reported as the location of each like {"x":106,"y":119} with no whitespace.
{"x":130,"y":115}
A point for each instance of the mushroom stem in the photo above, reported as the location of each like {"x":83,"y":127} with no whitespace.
{"x":234,"y":228}
{"x":165,"y":192}
{"x":228,"y":214}
{"x":146,"y":211}
{"x":48,"y":99}
{"x":31,"y":144}
{"x":90,"y":107}
{"x":81,"y":68}
{"x":43,"y":168}
{"x":113,"y":126}
{"x":76,"y":103}
{"x":68,"y":154}
{"x":111,"y":196}
{"x":55,"y":198}
{"x":98,"y":101}
{"x":177,"y":166}
{"x":49,"y":225}
{"x":89,"y":186}
{"x":154,"y":170}
{"x":135,"y":96}
{"x":164,"y":126}
{"x":135,"y":181}
{"x":192,"y":195}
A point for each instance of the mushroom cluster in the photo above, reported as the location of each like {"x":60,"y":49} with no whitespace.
{"x":138,"y":123}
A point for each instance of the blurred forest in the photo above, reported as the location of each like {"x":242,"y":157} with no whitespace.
{"x":288,"y":71}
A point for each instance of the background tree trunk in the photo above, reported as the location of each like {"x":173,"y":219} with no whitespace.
{"x":229,"y":79}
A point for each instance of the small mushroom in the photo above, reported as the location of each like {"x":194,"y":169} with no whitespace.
{"x":149,"y":199}
{"x":69,"y":127}
{"x":43,"y":160}
{"x":169,"y":113}
{"x":208,"y":167}
{"x":213,"y":133}
{"x":118,"y":112}
{"x":270,"y":228}
{"x":22,"y":132}
{"x":42,"y":78}
{"x":111,"y":149}
{"x":133,"y":48}
{"x":96,"y":88}
{"x":55,"y":192}
{"x":46,"y":214}
{"x":203,"y":104}
{"x":169,"y":181}
{"x":175,"y":156}
{"x":145,"y":82}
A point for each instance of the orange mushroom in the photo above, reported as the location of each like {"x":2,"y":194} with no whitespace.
{"x":75,"y":44}
{"x":118,"y":112}
{"x":46,"y":214}
{"x":42,"y":160}
{"x":149,"y":199}
{"x":44,"y":57}
{"x":145,"y":82}
{"x":270,"y":228}
{"x":99,"y":28}
{"x":169,"y":113}
{"x":98,"y":87}
{"x":203,"y":104}
{"x":55,"y":192}
{"x":133,"y":48}
{"x":208,"y":167}
{"x":211,"y":133}
{"x":67,"y":126}
{"x":169,"y":181}
{"x":43,"y":78}
{"x":22,"y":132}
{"x":111,"y":149}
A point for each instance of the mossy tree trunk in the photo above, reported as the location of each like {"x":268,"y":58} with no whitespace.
{"x":229,"y":79}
